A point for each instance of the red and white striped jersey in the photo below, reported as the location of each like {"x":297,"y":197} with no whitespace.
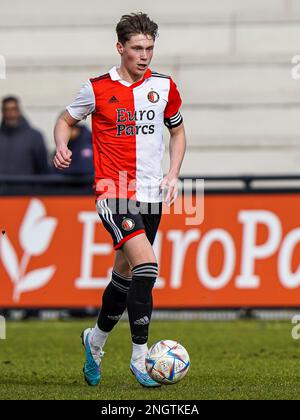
{"x":127,"y":131}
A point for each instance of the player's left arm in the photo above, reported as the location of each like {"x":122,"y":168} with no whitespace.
{"x":177,"y":148}
{"x":174,"y":122}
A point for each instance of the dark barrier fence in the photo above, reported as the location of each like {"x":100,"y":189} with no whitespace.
{"x":44,"y":185}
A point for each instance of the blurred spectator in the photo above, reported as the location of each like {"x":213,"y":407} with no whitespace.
{"x":82,"y":152}
{"x":22,"y":148}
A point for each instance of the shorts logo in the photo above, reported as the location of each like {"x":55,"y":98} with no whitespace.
{"x":153,"y":97}
{"x":128,"y":224}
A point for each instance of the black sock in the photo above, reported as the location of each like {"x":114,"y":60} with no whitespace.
{"x":114,"y":302}
{"x":139,"y":300}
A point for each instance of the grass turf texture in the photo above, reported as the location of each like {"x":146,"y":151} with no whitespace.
{"x":229,"y":360}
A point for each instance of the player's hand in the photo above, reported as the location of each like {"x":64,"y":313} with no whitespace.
{"x":169,"y":186}
{"x":62,"y":158}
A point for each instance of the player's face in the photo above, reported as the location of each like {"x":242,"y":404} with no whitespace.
{"x":137,"y":54}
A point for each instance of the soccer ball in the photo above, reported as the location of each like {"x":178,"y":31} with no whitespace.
{"x":167,"y":362}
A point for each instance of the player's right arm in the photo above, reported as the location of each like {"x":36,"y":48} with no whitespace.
{"x":79,"y":109}
{"x":62,"y":134}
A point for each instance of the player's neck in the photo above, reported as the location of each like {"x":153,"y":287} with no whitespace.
{"x":127,"y":76}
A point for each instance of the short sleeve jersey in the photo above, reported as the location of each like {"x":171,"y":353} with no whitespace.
{"x":127,"y":131}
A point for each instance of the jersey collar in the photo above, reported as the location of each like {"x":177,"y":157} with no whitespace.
{"x":114,"y":75}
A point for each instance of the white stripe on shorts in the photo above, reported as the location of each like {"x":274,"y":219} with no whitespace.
{"x":105,"y":216}
{"x":111,"y":218}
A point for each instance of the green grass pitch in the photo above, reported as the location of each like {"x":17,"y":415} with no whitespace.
{"x":229,"y":360}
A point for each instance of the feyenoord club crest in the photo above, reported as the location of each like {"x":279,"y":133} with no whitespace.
{"x":128,"y":224}
{"x":153,"y":96}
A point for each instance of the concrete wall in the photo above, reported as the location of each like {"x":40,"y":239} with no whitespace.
{"x":231,"y":60}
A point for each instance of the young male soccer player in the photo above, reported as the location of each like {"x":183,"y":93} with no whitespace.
{"x":129,"y":107}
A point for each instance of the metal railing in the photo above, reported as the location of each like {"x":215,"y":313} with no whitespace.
{"x":16,"y":185}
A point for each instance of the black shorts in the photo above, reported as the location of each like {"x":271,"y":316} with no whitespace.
{"x":124,"y":219}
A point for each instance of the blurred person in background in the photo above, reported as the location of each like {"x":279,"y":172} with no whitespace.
{"x":22,"y":148}
{"x":81,"y":147}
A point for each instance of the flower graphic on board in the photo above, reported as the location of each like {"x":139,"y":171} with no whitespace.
{"x":35,"y":236}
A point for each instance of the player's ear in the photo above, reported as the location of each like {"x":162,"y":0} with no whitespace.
{"x":120,"y":48}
